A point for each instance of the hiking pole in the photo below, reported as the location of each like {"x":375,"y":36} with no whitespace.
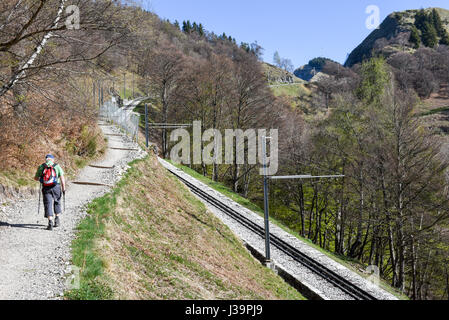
{"x":63,"y":195}
{"x":39,"y":203}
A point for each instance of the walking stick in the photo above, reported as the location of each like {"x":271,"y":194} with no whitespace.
{"x":63,"y":194}
{"x":39,"y":203}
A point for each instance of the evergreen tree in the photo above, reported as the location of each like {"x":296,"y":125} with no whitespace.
{"x":201,"y":30}
{"x":436,"y":22}
{"x":429,"y":35}
{"x":420,"y":19}
{"x":415,"y":39}
{"x":445,"y":38}
{"x":245,"y":46}
{"x":176,"y":24}
{"x":187,"y":26}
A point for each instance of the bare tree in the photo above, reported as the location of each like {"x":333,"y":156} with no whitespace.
{"x":162,"y":67}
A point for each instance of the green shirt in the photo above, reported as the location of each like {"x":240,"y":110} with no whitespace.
{"x":58,"y":169}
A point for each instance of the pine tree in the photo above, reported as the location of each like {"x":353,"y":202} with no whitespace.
{"x":415,"y":39}
{"x":445,"y":38}
{"x":436,"y":22}
{"x":245,"y":46}
{"x":176,"y":24}
{"x":420,"y":19}
{"x":429,"y":35}
{"x":186,"y":26}
{"x":201,"y":30}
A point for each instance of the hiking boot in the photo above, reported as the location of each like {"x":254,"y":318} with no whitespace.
{"x":57,"y":223}
{"x":50,"y":225}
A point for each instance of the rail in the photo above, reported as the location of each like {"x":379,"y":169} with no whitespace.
{"x":330,"y":276}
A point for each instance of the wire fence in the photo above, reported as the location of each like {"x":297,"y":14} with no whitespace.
{"x":124,"y":118}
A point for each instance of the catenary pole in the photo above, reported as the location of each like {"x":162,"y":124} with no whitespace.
{"x":266,"y":178}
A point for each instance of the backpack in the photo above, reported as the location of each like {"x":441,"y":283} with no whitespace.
{"x":49,"y":178}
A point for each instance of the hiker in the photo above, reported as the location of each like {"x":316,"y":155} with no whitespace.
{"x":51,"y":177}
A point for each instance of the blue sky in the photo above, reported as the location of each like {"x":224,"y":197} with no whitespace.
{"x":298,"y":29}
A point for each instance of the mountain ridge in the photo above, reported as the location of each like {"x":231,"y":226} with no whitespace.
{"x":392,"y":35}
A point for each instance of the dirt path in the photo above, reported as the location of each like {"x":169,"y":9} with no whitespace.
{"x":33,"y":261}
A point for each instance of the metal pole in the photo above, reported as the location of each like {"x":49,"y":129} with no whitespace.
{"x":39,"y":203}
{"x":266,"y":203}
{"x":124,"y":86}
{"x":146,"y":125}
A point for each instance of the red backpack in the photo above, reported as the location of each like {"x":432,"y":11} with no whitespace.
{"x":49,"y":177}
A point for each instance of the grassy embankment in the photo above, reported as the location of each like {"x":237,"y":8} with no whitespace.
{"x":150,"y":238}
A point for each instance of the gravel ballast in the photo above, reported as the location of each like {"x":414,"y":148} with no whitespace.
{"x":314,"y":283}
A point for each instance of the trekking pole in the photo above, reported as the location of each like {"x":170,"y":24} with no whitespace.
{"x":39,"y":203}
{"x":63,"y":195}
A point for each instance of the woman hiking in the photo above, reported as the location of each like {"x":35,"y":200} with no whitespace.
{"x":51,"y":177}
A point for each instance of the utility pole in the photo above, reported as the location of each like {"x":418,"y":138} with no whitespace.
{"x":124,"y":86}
{"x":133,"y":84}
{"x":266,"y":203}
{"x":93,"y":92}
{"x":99,"y":93}
{"x":266,"y":178}
{"x":146,"y":125}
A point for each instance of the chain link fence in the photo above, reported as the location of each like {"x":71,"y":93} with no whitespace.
{"x":124,"y":118}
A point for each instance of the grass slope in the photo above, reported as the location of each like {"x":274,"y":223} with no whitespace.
{"x":150,"y":238}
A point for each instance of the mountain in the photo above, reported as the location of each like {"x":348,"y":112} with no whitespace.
{"x":393,"y":35}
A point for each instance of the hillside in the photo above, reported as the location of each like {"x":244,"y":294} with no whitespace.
{"x":137,"y":249}
{"x":277,"y":75}
{"x":392,"y":35}
{"x":312,"y":69}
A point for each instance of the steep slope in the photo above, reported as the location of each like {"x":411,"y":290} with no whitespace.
{"x":150,"y":238}
{"x":392,"y":35}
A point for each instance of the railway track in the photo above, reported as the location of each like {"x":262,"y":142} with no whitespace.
{"x":322,"y":271}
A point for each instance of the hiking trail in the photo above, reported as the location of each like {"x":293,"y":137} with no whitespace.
{"x":34,"y":262}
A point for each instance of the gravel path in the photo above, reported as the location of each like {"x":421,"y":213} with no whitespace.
{"x":34,"y":262}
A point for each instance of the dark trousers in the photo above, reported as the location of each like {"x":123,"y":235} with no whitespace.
{"x":52,"y":200}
